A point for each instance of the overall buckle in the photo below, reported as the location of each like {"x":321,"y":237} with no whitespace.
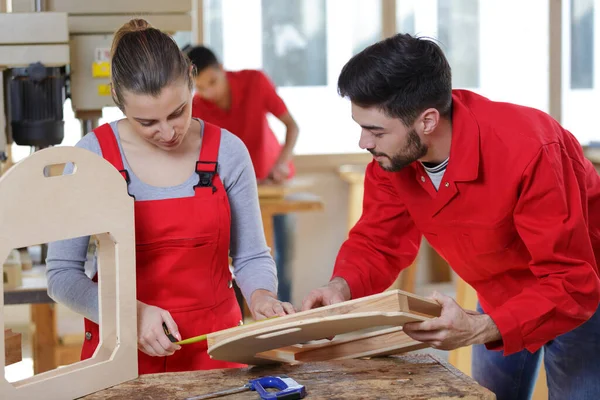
{"x":206,"y":171}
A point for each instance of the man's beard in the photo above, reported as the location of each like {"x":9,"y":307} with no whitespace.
{"x":412,"y":151}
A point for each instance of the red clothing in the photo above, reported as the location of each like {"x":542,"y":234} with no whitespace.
{"x":182,"y":266}
{"x":517,"y":216}
{"x":252,"y":97}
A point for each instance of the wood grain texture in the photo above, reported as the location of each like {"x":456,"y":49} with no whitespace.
{"x":28,"y":218}
{"x":273,"y":340}
{"x":247,"y":347}
{"x":272,"y":190}
{"x":12,"y":347}
{"x":422,"y":377}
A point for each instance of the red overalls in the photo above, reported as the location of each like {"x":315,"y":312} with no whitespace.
{"x":182,"y":248}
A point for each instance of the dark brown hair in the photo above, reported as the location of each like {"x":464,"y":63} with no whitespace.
{"x":144,"y":60}
{"x":402,"y":76}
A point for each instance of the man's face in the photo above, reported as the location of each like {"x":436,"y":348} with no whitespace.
{"x":393,"y":145}
{"x":211,"y":84}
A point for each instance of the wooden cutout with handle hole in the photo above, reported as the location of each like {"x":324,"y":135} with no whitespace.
{"x":366,"y":327}
{"x":92,"y":201}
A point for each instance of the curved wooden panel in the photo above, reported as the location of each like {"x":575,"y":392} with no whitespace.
{"x":91,"y":201}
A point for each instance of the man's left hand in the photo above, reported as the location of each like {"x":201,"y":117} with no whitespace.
{"x":264,"y":304}
{"x":279,"y":173}
{"x":454,"y":328}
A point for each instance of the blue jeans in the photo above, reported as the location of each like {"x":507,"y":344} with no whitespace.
{"x":572,"y":363}
{"x":283,"y":231}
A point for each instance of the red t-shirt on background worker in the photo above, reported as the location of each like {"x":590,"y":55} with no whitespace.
{"x":239,"y":102}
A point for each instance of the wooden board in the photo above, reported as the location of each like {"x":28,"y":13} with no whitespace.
{"x":129,"y":7}
{"x":268,"y":190}
{"x":407,"y":377}
{"x":108,"y":24}
{"x":278,"y":340}
{"x":51,"y":55}
{"x":92,"y":201}
{"x":15,"y":28}
{"x":12,"y":347}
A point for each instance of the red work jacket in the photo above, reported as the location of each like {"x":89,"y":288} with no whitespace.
{"x":517,"y":216}
{"x":253,"y":96}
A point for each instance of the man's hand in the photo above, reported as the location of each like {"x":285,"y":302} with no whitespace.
{"x":152,"y":339}
{"x":279,"y":173}
{"x":264,"y":304}
{"x":454,"y":328}
{"x":336,"y":291}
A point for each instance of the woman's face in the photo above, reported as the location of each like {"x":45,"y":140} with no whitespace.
{"x":162,"y":120}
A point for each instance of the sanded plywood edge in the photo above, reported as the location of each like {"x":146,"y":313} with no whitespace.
{"x":389,"y":301}
{"x":244,"y":347}
{"x":30,"y":219}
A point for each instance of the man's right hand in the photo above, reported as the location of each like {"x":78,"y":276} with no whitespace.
{"x":152,"y":339}
{"x":336,"y":291}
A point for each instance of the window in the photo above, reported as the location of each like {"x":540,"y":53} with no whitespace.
{"x":302,"y":46}
{"x":582,"y":44}
{"x":405,"y":16}
{"x":458,"y":34}
{"x":213,"y":26}
{"x":366,"y":17}
{"x":294,"y":42}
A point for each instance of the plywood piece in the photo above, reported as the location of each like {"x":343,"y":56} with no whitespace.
{"x":274,"y":190}
{"x":269,"y":341}
{"x":12,"y":276}
{"x":119,"y":6}
{"x":16,"y":28}
{"x":108,"y":24}
{"x":51,"y":55}
{"x":45,"y":336}
{"x":12,"y":347}
{"x":246,"y":348}
{"x":28,"y":218}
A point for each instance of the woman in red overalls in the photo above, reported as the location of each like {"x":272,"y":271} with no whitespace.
{"x":182,"y":244}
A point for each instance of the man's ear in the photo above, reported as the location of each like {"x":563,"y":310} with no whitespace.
{"x":430,"y":120}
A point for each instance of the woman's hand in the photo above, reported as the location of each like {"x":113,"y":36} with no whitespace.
{"x":152,"y":339}
{"x":264,"y":304}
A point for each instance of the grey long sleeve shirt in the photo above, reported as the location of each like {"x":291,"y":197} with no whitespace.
{"x":68,"y":268}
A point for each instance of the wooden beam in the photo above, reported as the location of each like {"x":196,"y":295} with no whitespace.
{"x":197,"y":22}
{"x":388,"y":18}
{"x":555,"y":61}
{"x":12,"y":347}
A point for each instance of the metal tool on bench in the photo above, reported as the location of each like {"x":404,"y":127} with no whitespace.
{"x":288,"y":389}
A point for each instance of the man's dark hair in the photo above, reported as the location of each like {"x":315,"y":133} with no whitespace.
{"x":202,"y":58}
{"x":402,"y":75}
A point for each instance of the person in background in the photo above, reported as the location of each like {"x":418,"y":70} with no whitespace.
{"x":195,"y":205}
{"x":240,"y":101}
{"x":503,"y":192}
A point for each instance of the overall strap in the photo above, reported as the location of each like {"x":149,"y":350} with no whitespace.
{"x":206,"y":166}
{"x":110,"y":149}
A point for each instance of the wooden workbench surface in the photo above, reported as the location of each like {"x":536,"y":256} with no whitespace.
{"x":418,"y":376}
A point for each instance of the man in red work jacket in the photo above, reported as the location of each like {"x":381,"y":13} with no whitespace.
{"x":240,"y":101}
{"x":503,"y":193}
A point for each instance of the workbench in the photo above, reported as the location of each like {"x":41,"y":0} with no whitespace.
{"x":417,"y":376}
